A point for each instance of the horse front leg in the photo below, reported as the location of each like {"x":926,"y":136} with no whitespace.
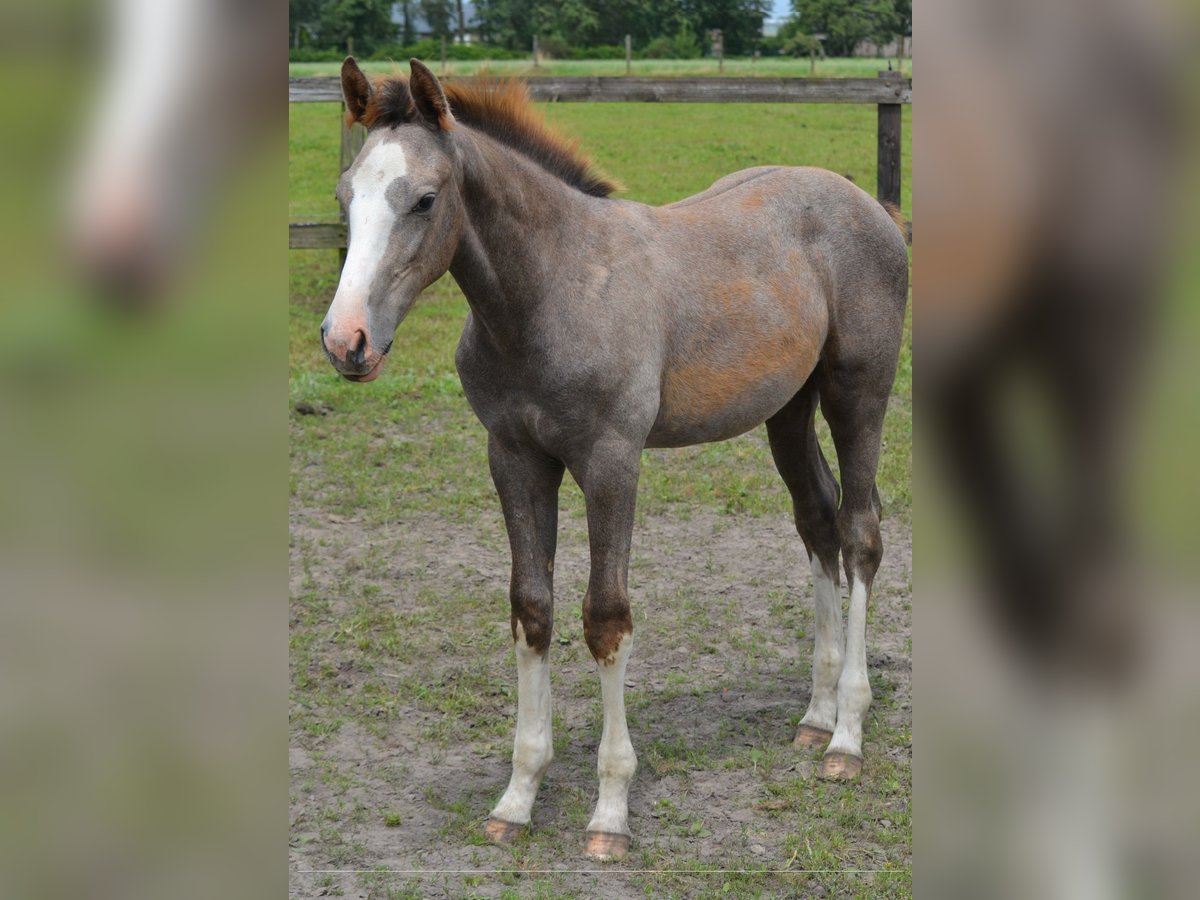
{"x":527,"y":482}
{"x":609,"y":482}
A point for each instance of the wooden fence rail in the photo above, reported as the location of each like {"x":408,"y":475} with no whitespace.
{"x":625,"y":89}
{"x":888,"y":92}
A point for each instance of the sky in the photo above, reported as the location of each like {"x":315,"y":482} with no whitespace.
{"x":783,"y":9}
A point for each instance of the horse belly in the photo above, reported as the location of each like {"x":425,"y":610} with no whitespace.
{"x":712,"y":399}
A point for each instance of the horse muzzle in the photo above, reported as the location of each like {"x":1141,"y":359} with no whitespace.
{"x":351,"y":354}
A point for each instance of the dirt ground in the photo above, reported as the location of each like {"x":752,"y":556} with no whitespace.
{"x":719,"y":677}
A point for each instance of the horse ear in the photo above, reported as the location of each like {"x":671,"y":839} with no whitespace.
{"x":356,"y":90}
{"x":429,"y":97}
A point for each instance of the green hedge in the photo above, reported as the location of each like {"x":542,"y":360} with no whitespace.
{"x":427,"y":49}
{"x":431,"y":49}
{"x":603,"y":51}
{"x":311,"y":54}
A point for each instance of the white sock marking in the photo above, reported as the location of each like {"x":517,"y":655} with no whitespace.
{"x":616,"y":759}
{"x":533,"y":747}
{"x":827,"y":650}
{"x":854,"y":690}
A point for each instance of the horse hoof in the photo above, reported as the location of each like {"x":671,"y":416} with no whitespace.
{"x":811,"y":737}
{"x":836,"y":766}
{"x":605,"y":846}
{"x":500,"y":832}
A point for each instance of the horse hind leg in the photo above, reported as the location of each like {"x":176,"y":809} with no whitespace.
{"x":854,"y":404}
{"x":814,"y":491}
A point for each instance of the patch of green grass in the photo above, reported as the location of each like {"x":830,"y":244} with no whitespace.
{"x":673,"y":755}
{"x":408,"y":441}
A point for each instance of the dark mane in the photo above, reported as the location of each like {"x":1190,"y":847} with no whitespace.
{"x":500,"y":109}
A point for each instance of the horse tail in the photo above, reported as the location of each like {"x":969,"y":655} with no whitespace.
{"x":898,"y":217}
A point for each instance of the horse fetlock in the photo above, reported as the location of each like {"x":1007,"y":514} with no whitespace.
{"x":847,"y":735}
{"x":516,"y":806}
{"x":618,"y":766}
{"x":821,"y":713}
{"x":533,"y":756}
{"x":854,"y":694}
{"x":612,"y":810}
{"x":829,"y":660}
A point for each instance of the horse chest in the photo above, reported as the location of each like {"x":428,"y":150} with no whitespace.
{"x":551,"y":401}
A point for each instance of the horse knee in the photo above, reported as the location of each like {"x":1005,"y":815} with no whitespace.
{"x":822,"y":542}
{"x":828,"y":658}
{"x":854,"y":688}
{"x":534,"y":754}
{"x":534,"y":613}
{"x":617,"y":761}
{"x":606,"y":622}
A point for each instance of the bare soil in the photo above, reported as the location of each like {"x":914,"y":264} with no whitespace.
{"x":719,"y":677}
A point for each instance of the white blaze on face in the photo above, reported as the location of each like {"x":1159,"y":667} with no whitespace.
{"x":372,"y":218}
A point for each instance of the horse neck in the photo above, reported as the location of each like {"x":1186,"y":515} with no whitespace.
{"x":523,"y":226}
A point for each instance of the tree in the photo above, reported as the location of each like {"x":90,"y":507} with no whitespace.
{"x":303,"y":15}
{"x":462,"y":24}
{"x":740,"y":21}
{"x":513,"y":23}
{"x":506,"y":22}
{"x":847,"y":23}
{"x":367,"y":22}
{"x":575,"y":21}
{"x":904,"y":16}
{"x":885,"y":24}
{"x":408,"y":35}
{"x":903,"y":20}
{"x":438,"y":14}
{"x":799,"y":44}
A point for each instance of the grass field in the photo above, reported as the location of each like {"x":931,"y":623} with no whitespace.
{"x":403,"y":683}
{"x":775,"y":67}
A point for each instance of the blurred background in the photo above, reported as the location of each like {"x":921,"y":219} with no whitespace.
{"x":1055,"y":324}
{"x":143,"y":449}
{"x":143,"y":441}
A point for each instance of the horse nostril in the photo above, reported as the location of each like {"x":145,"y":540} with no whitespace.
{"x":324,"y":328}
{"x":358,"y":350}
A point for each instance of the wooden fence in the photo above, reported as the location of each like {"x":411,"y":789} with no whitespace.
{"x":888,"y":92}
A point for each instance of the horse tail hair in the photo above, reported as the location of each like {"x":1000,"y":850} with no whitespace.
{"x":898,"y":217}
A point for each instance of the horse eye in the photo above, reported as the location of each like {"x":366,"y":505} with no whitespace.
{"x":425,"y":203}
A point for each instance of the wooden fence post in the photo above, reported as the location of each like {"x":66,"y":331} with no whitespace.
{"x":888,"y":150}
{"x":628,"y":54}
{"x":353,"y":139}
